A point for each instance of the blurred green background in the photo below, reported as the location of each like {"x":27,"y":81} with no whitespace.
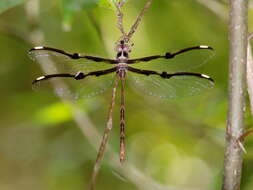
{"x":173,"y":144}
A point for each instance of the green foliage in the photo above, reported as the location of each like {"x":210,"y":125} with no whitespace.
{"x":8,"y":4}
{"x":176,"y":142}
{"x":108,"y":3}
{"x":70,"y":7}
{"x":53,"y":114}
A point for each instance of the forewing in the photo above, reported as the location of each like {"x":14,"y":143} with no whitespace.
{"x":186,"y":61}
{"x":65,"y":61}
{"x":54,"y":62}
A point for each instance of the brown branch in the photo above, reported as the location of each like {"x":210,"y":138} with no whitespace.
{"x":237,"y":78}
{"x":120,"y":15}
{"x":105,"y":137}
{"x":244,"y":135}
{"x":138,"y":20}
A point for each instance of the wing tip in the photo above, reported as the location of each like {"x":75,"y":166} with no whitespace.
{"x":207,"y":77}
{"x":38,"y":79}
{"x":36,"y":48}
{"x":206,"y":47}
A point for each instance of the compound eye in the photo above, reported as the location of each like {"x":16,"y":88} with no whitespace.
{"x":125,"y":54}
{"x":118,"y":54}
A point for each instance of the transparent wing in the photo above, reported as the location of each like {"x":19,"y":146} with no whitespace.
{"x":174,"y":87}
{"x":54,"y":62}
{"x":65,"y":61}
{"x":183,"y":62}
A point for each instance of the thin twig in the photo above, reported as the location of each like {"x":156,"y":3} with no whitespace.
{"x":105,"y":136}
{"x":120,"y":17}
{"x":138,"y":20}
{"x":237,"y":78}
{"x":244,"y":135}
{"x":122,"y":2}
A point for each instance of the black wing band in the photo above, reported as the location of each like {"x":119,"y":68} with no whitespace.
{"x":166,"y":75}
{"x":74,"y":55}
{"x":168,"y":55}
{"x":77,"y":76}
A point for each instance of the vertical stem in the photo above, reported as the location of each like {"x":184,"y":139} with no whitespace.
{"x":237,"y":78}
{"x":107,"y":130}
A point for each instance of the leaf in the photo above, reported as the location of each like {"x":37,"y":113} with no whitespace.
{"x":8,"y":4}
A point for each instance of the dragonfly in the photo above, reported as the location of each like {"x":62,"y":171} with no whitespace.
{"x":120,"y":68}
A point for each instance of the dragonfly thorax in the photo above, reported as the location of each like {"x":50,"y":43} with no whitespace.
{"x":122,"y":65}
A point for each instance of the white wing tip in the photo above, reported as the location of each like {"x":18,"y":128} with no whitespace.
{"x":205,"y":76}
{"x":38,"y":47}
{"x":40,"y":78}
{"x":204,"y":46}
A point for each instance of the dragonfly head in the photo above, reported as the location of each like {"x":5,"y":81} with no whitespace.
{"x":123,"y":49}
